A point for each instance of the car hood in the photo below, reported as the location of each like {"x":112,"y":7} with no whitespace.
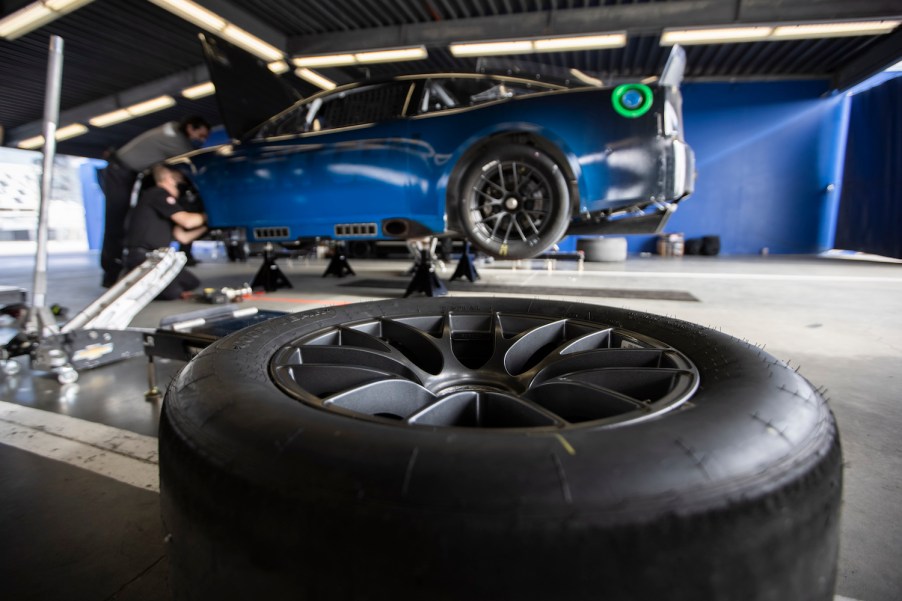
{"x":247,"y":92}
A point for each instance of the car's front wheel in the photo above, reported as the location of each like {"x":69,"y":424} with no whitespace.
{"x":515,"y":202}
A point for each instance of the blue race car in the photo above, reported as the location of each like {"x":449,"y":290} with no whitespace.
{"x":510,"y":164}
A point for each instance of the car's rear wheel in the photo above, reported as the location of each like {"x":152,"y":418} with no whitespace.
{"x":514,"y":202}
{"x":482,"y":448}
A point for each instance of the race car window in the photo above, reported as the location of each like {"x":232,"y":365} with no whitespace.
{"x":366,"y":104}
{"x":355,"y":106}
{"x":442,"y":94}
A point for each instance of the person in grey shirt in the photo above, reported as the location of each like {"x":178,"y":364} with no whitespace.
{"x":118,"y":179}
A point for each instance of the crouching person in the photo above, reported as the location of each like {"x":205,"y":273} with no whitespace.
{"x":158,"y":219}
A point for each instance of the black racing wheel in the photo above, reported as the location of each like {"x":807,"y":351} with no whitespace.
{"x":515,"y":202}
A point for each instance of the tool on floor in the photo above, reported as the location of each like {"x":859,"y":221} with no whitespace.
{"x":182,"y":336}
{"x":98,"y":334}
{"x":221,"y":296}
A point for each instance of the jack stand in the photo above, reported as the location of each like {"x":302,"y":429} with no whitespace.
{"x":465,"y":267}
{"x":419,"y":245}
{"x":339,"y":265}
{"x":269,"y":276}
{"x":425,"y":280}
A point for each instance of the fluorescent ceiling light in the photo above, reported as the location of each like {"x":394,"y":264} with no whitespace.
{"x":388,"y":56}
{"x":70,"y":131}
{"x":833,"y":30}
{"x":150,"y":106}
{"x":490,"y":48}
{"x":27,"y":19}
{"x":315,"y":78}
{"x":63,"y":133}
{"x":30,"y":143}
{"x":720,"y":35}
{"x":35,"y":15}
{"x":325,"y":60}
{"x":278,"y":67}
{"x":558,"y":44}
{"x":136,"y":110}
{"x":194,"y":13}
{"x":252,"y":43}
{"x":727,"y":35}
{"x":112,"y":118}
{"x":199,"y":91}
{"x":584,"y":42}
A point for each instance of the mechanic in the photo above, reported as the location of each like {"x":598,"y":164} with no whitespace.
{"x":156,"y":221}
{"x":118,"y":179}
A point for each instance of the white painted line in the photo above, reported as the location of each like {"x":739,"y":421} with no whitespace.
{"x":841,"y":598}
{"x":124,"y":456}
{"x":683,"y":275}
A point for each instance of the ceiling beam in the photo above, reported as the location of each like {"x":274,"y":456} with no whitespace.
{"x":884,"y":53}
{"x":636,"y":19}
{"x":171,"y":84}
{"x":766,"y":11}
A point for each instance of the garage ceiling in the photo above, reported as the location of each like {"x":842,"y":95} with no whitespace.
{"x":118,"y":52}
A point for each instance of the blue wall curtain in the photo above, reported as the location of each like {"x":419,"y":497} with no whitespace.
{"x":870,"y":209}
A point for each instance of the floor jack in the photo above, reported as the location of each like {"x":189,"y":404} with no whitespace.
{"x":98,"y":335}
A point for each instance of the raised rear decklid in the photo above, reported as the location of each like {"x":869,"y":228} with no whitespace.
{"x":247,"y":91}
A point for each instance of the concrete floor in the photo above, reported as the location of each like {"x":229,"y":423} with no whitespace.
{"x":71,"y":533}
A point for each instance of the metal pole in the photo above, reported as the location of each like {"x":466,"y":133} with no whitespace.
{"x":39,"y":317}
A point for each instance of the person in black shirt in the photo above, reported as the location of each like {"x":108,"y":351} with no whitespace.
{"x":156,"y":221}
{"x":118,"y":179}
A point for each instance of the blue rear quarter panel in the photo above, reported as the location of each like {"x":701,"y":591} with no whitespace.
{"x":401,"y":168}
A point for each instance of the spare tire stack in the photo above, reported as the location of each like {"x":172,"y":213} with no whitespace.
{"x":489,"y":448}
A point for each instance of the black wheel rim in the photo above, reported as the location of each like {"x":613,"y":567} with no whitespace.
{"x":511,"y":203}
{"x":485,"y":370}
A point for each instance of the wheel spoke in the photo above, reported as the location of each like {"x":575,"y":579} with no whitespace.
{"x":501,"y":177}
{"x":391,"y":399}
{"x":493,"y":184}
{"x":497,"y":224}
{"x":530,"y":221}
{"x":533,"y":345}
{"x":492,"y":200}
{"x":485,"y":410}
{"x":494,"y":216}
{"x":577,"y":402}
{"x":507,"y":234}
{"x":316,"y":382}
{"x":642,"y":384}
{"x":519,"y":229}
{"x":418,"y":347}
{"x":557,"y":364}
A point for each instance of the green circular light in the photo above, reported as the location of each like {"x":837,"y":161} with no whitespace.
{"x":621,"y":96}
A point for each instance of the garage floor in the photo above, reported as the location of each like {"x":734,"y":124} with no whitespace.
{"x":79,"y":512}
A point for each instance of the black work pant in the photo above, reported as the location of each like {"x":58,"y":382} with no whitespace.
{"x":185,"y":281}
{"x":118,"y":182}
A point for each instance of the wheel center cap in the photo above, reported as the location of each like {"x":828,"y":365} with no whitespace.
{"x":511,"y":203}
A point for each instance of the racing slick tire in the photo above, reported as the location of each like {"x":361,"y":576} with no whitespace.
{"x":457,"y":449}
